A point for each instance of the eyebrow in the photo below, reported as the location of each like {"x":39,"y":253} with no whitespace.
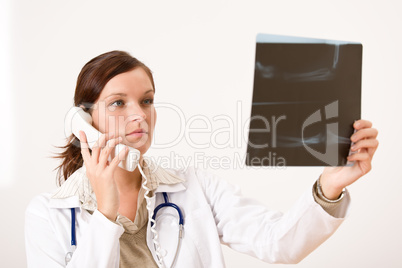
{"x":124,"y":94}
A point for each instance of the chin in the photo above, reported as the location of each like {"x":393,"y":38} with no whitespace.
{"x":143,"y":148}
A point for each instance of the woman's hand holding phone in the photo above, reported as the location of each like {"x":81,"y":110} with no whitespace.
{"x":101,"y":173}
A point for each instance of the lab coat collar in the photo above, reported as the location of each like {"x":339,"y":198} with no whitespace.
{"x":69,"y":202}
{"x":170,"y":188}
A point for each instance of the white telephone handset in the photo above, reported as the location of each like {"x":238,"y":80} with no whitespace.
{"x":77,"y":119}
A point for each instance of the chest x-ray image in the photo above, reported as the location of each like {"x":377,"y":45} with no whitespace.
{"x":306,"y":97}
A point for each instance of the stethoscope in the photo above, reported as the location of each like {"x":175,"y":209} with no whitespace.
{"x":160,"y":206}
{"x":181,"y":223}
{"x":69,"y":254}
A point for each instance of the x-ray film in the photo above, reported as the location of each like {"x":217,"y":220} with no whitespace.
{"x":306,"y":97}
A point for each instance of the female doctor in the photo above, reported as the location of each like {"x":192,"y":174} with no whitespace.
{"x":101,"y":215}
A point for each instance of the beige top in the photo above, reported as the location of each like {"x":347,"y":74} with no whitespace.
{"x":134,"y":251}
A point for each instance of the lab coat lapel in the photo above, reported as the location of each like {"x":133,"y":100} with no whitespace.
{"x":68,"y":202}
{"x":170,"y":188}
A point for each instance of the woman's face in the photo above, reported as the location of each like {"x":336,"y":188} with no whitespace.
{"x":124,"y":106}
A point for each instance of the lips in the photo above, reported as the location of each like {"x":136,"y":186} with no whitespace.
{"x":137,"y":131}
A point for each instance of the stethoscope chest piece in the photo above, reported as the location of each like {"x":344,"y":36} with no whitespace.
{"x":68,"y":257}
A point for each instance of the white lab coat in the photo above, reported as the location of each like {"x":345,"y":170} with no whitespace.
{"x":214,"y":213}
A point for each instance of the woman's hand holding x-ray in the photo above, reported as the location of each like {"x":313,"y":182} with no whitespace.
{"x":101,"y":173}
{"x":334,"y":179}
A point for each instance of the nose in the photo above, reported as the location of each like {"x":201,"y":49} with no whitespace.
{"x":136,"y":113}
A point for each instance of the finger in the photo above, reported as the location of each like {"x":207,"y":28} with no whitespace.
{"x":362,"y":160}
{"x":99,"y":144}
{"x":86,"y":155}
{"x":104,"y":156}
{"x":368,"y":143}
{"x":359,"y":124}
{"x":366,"y":133}
{"x":363,"y":155}
{"x":116,"y":160}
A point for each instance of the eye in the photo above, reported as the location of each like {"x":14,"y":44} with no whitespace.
{"x":148,"y":101}
{"x":117,"y":103}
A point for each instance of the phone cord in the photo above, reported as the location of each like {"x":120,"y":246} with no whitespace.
{"x":153,"y":222}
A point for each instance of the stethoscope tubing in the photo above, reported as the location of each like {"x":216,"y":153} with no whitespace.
{"x":168,"y":204}
{"x":73,"y":237}
{"x":181,"y":223}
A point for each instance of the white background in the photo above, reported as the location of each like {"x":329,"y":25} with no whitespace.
{"x":202,"y":55}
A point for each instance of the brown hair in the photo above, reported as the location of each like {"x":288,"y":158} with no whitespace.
{"x":90,"y":83}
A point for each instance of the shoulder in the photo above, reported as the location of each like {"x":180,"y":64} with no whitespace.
{"x":44,"y":203}
{"x":39,"y":204}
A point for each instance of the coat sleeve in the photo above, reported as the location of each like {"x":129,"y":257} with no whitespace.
{"x":247,"y":226}
{"x":98,"y":246}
